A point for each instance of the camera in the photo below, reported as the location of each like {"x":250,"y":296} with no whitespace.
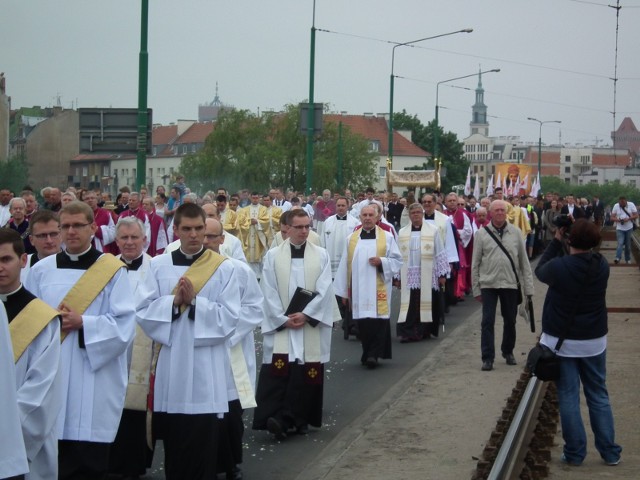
{"x":563,"y":221}
{"x":622,"y":220}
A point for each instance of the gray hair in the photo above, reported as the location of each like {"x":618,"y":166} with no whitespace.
{"x":192,"y":197}
{"x":17,"y":199}
{"x":129,"y":221}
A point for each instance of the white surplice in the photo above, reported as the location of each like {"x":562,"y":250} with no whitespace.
{"x":13,"y":456}
{"x":321,"y":308}
{"x":94,"y":378}
{"x":191,"y":370}
{"x":364,"y":299}
{"x":334,"y":237}
{"x":39,"y":400}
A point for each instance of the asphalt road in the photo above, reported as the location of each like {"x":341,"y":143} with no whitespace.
{"x":349,"y":390}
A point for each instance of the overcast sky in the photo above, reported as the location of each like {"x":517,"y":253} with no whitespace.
{"x":556,"y":58}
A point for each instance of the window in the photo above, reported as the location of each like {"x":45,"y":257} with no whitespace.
{"x":133,"y":172}
{"x":85,"y":171}
{"x":567,"y":158}
{"x":585,"y":160}
{"x":151,"y":172}
{"x":567,"y":169}
{"x":105,"y":171}
{"x":482,"y":168}
{"x":567,"y":180}
{"x":77,"y":171}
{"x":155,"y":151}
{"x":170,"y":169}
{"x":383,"y":171}
{"x":374,"y":145}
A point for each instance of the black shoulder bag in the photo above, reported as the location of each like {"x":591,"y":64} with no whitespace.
{"x":513,"y":266}
{"x":633,"y":222}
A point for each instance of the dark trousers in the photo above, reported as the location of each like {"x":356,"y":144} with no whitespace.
{"x":230,"y":443}
{"x":82,"y":460}
{"x":509,"y":309}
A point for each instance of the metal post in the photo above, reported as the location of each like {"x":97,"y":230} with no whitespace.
{"x":540,"y":123}
{"x":340,"y":176}
{"x":311,"y":112}
{"x":143,"y":80}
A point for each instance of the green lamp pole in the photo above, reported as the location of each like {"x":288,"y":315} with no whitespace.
{"x":540,"y":122}
{"x":436,"y":132}
{"x":393,"y":53}
{"x":311,"y":111}
{"x":143,"y":80}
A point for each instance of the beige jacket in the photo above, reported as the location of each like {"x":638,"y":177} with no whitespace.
{"x":490,"y":267}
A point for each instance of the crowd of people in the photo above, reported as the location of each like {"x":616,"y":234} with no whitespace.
{"x":133,"y":320}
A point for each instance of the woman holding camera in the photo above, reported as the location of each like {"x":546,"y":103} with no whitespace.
{"x":575,"y":310}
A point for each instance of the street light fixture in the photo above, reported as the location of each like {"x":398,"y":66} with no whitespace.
{"x":540,"y":142}
{"x":436,"y":133}
{"x":393,"y":53}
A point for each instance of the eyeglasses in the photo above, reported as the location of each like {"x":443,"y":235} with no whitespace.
{"x":301,"y":227}
{"x":213,"y":236}
{"x":44,"y":236}
{"x":75,"y":226}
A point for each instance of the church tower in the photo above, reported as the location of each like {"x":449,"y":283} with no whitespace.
{"x":479,"y":122}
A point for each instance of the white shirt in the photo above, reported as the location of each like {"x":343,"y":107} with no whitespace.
{"x":621,"y":215}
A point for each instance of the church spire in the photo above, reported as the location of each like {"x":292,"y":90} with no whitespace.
{"x":479,"y":122}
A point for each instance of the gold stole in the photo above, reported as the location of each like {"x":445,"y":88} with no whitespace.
{"x":426,"y":270}
{"x":28,"y":324}
{"x":381,"y":251}
{"x":90,"y":284}
{"x":199,"y":274}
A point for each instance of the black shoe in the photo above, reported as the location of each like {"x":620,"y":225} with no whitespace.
{"x":487,"y":366}
{"x":371,"y":362}
{"x":235,"y":475}
{"x":275,"y":427}
{"x":511,"y":360}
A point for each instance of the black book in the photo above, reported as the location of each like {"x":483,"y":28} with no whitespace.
{"x":300,"y":300}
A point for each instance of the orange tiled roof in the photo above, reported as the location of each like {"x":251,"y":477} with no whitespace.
{"x":196,"y":133}
{"x":376,"y":128}
{"x":164,"y":134}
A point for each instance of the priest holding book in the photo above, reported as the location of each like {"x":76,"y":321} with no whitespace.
{"x":297,"y":340}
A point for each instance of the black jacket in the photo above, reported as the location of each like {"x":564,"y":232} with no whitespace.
{"x":577,"y":283}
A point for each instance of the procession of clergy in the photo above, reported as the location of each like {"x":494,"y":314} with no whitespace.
{"x":111,"y":353}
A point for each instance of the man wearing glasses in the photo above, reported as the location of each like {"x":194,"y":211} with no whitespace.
{"x":92,"y":293}
{"x":44,"y":234}
{"x":296,"y":334}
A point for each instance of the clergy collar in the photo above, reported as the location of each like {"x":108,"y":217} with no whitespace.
{"x":81,"y":261}
{"x":297,"y":251}
{"x":75,"y":257}
{"x":368,"y":235}
{"x":430,"y":217}
{"x":416,"y":229}
{"x":4,"y":296}
{"x":182,"y":259}
{"x":192,"y":256}
{"x":338,"y":217}
{"x":134,"y":264}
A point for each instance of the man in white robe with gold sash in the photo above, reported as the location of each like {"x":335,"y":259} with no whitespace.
{"x":253,"y":231}
{"x":297,"y":344}
{"x":364,"y":278}
{"x":188,"y":304}
{"x":92,"y":293}
{"x":35,"y":333}
{"x":130,"y":454}
{"x":241,"y":377}
{"x":424,"y":270}
{"x":13,"y":456}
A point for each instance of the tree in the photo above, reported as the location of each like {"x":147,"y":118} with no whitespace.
{"x":14,"y":173}
{"x":247,"y":151}
{"x":608,"y":193}
{"x":451,"y":151}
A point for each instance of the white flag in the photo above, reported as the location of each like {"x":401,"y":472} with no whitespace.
{"x":489,"y":190}
{"x":476,"y":188}
{"x":467,"y":183}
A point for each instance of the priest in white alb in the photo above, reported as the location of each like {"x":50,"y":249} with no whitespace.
{"x":364,"y":279}
{"x":188,"y":304}
{"x":296,"y":335}
{"x":92,"y":293}
{"x":424,"y":271}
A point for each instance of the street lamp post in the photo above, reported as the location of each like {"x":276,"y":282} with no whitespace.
{"x":540,"y":143}
{"x":311,"y":112}
{"x":393,"y":53}
{"x":436,"y":133}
